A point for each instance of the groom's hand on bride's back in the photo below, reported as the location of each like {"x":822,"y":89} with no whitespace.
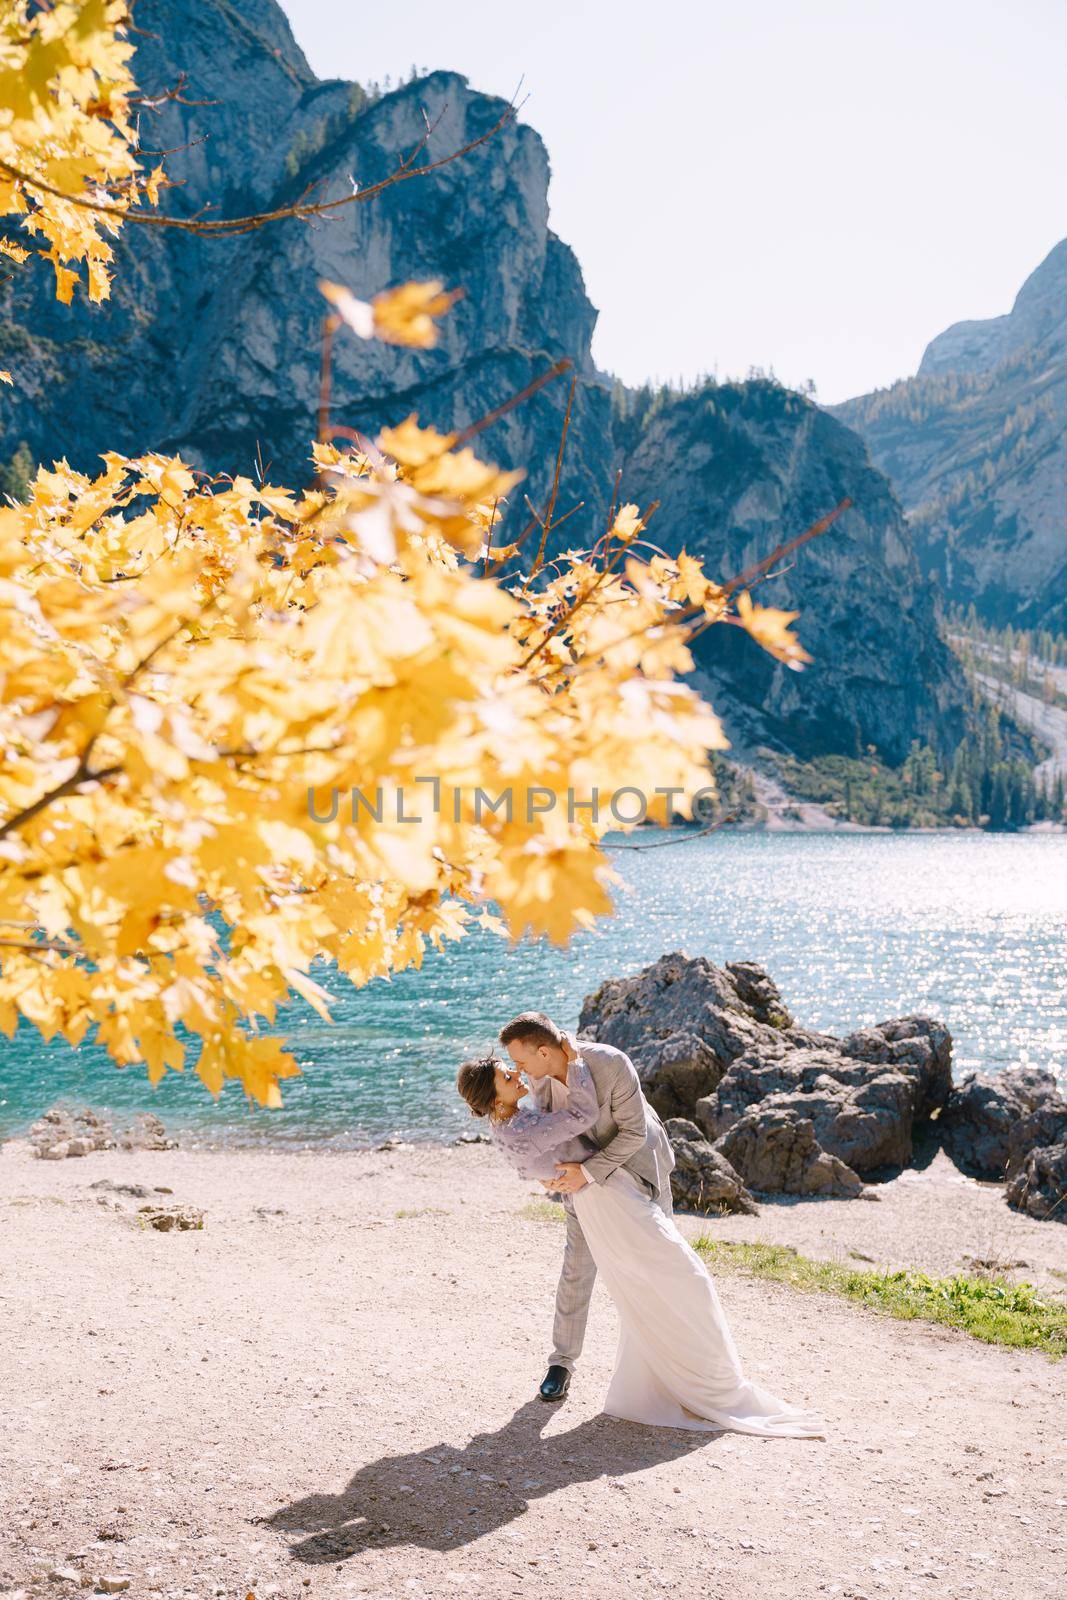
{"x":569,"y":1178}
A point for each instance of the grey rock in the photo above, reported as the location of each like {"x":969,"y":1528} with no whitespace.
{"x":171,"y":1219}
{"x":147,"y":1133}
{"x":712,"y":1043}
{"x":776,"y":1152}
{"x":65,"y":1575}
{"x":1046,"y":1124}
{"x":682,"y":1022}
{"x":863,"y":1111}
{"x":867,"y":1123}
{"x":983,"y":1116}
{"x":758,"y":991}
{"x":62,"y":1132}
{"x":136,"y":1191}
{"x":916,"y":1046}
{"x":1039,"y":1184}
{"x":718,"y":1047}
{"x":703,"y":1180}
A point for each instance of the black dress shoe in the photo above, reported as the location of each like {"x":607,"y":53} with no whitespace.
{"x":557,"y":1382}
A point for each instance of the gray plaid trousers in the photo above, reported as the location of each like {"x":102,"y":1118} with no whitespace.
{"x":575,"y":1290}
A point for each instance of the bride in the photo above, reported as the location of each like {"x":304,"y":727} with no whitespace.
{"x":677,"y":1365}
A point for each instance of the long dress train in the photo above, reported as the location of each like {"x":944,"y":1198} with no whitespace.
{"x":677,"y":1365}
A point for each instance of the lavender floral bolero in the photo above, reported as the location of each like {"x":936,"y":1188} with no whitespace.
{"x":534,"y":1141}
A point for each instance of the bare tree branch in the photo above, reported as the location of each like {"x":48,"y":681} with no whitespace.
{"x":546,"y":525}
{"x":687,"y":838}
{"x":458,"y":439}
{"x":760,"y":568}
{"x":231,"y":227}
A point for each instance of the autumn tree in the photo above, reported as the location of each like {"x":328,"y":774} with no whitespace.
{"x":246,"y":729}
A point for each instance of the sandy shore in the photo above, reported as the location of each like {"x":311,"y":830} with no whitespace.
{"x":327,"y":1391}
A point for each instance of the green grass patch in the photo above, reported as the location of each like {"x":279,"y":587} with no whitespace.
{"x":420,"y":1211}
{"x":991,"y":1309}
{"x":543,"y":1211}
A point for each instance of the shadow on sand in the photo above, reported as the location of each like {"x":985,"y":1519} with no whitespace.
{"x":444,"y":1497}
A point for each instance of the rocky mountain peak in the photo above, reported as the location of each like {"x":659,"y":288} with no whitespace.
{"x":1036,"y":322}
{"x":976,"y":447}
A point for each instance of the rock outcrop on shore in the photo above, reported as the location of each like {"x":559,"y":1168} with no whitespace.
{"x":1038,"y":1185}
{"x":984,"y":1115}
{"x":791,"y":1110}
{"x":744,"y":1090}
{"x":1013,"y":1126}
{"x":777,"y":1150}
{"x":703,"y":1179}
{"x":62,"y":1132}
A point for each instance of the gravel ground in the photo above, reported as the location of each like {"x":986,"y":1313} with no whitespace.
{"x":327,"y":1392}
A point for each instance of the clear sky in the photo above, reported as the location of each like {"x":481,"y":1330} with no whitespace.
{"x":813,"y":186}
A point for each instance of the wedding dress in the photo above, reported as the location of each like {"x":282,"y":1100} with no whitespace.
{"x":677,"y":1365}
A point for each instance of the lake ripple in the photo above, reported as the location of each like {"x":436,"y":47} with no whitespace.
{"x":969,"y":928}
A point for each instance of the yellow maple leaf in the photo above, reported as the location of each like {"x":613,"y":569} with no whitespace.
{"x":407,"y":315}
{"x":694,"y":584}
{"x":770,"y":628}
{"x":397,"y":316}
{"x":627,"y":525}
{"x":153,"y":183}
{"x":65,"y":281}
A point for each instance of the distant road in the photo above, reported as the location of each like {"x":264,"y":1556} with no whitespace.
{"x":1049,"y":723}
{"x":997,"y":652}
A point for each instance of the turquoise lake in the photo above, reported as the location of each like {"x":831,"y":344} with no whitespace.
{"x":970,"y":928}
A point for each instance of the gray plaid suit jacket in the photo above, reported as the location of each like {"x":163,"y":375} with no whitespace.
{"x":629,"y":1134}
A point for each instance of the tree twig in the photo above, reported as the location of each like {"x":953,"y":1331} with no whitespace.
{"x":455,"y":440}
{"x":81,"y":774}
{"x":763,"y":565}
{"x":231,"y":227}
{"x":686,"y":838}
{"x":546,"y":525}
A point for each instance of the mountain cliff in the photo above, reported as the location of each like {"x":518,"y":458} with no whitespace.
{"x":976,"y":446}
{"x":212,"y":348}
{"x":739,"y":467}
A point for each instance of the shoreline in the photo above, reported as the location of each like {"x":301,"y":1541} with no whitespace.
{"x":930,"y":1217}
{"x":825,"y":823}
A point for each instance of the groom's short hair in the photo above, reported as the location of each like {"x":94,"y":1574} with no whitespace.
{"x":532,"y":1027}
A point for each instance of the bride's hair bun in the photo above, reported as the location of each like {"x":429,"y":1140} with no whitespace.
{"x":476,"y":1082}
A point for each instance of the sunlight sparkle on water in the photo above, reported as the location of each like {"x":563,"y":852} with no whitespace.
{"x":969,"y":928}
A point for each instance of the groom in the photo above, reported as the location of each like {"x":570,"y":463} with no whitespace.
{"x":629,"y":1134}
